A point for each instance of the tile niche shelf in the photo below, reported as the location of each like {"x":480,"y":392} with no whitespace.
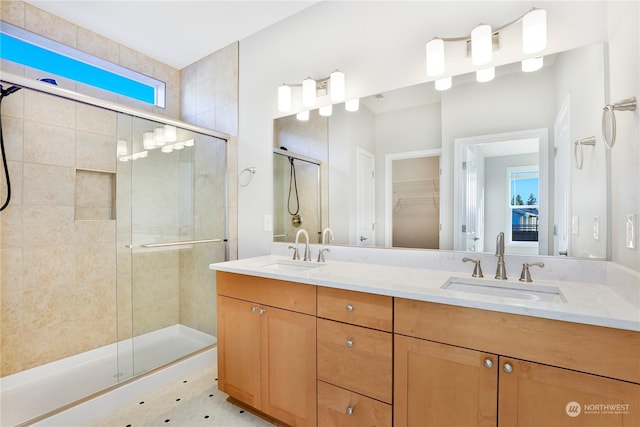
{"x":95,"y":195}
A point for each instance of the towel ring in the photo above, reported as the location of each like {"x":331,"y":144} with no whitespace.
{"x":609,"y":110}
{"x":577,"y":148}
{"x":252,"y":171}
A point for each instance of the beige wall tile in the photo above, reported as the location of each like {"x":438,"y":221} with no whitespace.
{"x":49,"y":109}
{"x":95,"y":152}
{"x":11,"y":230}
{"x":95,"y":120}
{"x":50,"y":26}
{"x":13,"y":105}
{"x":11,"y":278}
{"x":94,"y":231}
{"x":98,"y":45}
{"x":13,"y":135}
{"x":15,"y":174}
{"x":95,"y":262}
{"x":48,"y":266}
{"x":12,"y":350}
{"x":47,"y":225}
{"x":48,"y":144}
{"x":48,"y":185}
{"x":12,"y":12}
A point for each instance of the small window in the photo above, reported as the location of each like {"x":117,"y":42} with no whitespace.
{"x":29,"y":49}
{"x":523,"y":184}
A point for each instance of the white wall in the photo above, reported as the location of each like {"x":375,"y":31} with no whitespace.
{"x":624,"y":76}
{"x":380,"y":46}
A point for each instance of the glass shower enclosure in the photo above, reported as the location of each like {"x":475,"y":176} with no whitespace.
{"x":171,"y":213}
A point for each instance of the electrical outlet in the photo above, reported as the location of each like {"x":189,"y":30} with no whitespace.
{"x":267,"y":222}
{"x":596,"y":227}
{"x":631,"y":231}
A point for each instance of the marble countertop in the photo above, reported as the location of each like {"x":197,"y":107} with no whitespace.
{"x":587,"y":303}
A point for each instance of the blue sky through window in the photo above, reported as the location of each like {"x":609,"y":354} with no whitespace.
{"x":15,"y":49}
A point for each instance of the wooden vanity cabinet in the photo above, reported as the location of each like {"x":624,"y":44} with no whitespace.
{"x":355,"y":358}
{"x":267,"y":346}
{"x":458,"y":366}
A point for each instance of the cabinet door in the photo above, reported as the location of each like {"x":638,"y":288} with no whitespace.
{"x":239,"y":350}
{"x":288,"y":345}
{"x":539,"y":395}
{"x":338,"y":407}
{"x":441,"y":385}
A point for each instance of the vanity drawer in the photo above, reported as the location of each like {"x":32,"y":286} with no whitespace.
{"x":358,"y":308}
{"x":340,"y":407}
{"x":356,"y":358}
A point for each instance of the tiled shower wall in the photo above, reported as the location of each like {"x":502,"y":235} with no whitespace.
{"x":58,"y":295}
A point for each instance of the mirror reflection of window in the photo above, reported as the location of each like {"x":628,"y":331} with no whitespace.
{"x":523,"y":212}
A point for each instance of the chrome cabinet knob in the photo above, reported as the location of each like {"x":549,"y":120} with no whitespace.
{"x":349,"y":410}
{"x":349,"y":308}
{"x":349,"y":343}
{"x":262,"y":310}
{"x":488,"y":363}
{"x":254,"y":309}
{"x":507,"y":368}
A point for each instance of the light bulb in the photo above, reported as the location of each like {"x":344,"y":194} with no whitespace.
{"x":443,"y":84}
{"x":532,"y":64}
{"x":336,"y":85}
{"x":326,"y":110}
{"x":167,"y":149}
{"x":303,"y":116}
{"x":284,"y":98}
{"x":158,"y":134}
{"x":170,"y":133}
{"x":121,"y":147}
{"x":435,"y":57}
{"x":148,"y":141}
{"x":481,"y":45}
{"x":352,"y":105}
{"x":486,"y":74}
{"x":534,"y":31}
{"x":309,"y":92}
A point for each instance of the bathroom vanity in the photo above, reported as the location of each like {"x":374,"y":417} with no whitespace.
{"x":354,"y":344}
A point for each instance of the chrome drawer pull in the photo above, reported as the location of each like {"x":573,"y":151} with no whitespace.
{"x":349,"y":343}
{"x":349,"y":308}
{"x":349,"y":410}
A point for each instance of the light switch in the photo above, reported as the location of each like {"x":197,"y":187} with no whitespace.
{"x":575,"y":225}
{"x":596,"y":227}
{"x":268,"y":222}
{"x":631,"y":231}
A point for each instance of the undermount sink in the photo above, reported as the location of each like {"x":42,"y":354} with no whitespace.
{"x":499,"y":288}
{"x":292,"y":265}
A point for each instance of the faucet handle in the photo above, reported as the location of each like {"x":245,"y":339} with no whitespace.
{"x":525,"y":275}
{"x":321,"y":254}
{"x":296,"y":255}
{"x":477,"y":269}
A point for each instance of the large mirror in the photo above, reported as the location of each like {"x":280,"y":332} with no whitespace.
{"x":418,"y":168}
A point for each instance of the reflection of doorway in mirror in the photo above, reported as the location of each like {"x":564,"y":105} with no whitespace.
{"x":416,"y":202}
{"x":365,"y":195}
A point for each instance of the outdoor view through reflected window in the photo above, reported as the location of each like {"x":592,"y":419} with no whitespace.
{"x":523,"y":203}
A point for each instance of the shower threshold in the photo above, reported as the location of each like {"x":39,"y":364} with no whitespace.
{"x":30,"y":394}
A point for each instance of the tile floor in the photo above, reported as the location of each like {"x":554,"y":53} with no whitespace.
{"x":192,"y":401}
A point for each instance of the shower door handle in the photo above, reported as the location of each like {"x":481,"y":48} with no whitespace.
{"x":186,"y":242}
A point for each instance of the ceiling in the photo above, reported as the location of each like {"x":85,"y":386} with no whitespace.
{"x":177,"y":33}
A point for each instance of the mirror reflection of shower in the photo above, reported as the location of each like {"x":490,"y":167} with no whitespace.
{"x":296,"y":195}
{"x":296,"y":220}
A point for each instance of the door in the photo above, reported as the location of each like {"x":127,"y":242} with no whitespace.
{"x":365,"y":198}
{"x":540,"y":395}
{"x":562,"y":177}
{"x":441,"y":385}
{"x":288,"y":348}
{"x":239,"y":350}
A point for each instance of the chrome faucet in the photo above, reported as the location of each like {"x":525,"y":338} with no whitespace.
{"x":501,"y":271}
{"x":307,"y":251}
{"x":324,"y":232}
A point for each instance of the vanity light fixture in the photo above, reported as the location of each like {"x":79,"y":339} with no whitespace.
{"x":170,"y":133}
{"x":148,"y":141}
{"x":303,"y":115}
{"x":482,"y":40}
{"x":334,"y":86}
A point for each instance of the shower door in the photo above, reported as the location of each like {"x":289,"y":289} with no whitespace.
{"x":176,"y":209}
